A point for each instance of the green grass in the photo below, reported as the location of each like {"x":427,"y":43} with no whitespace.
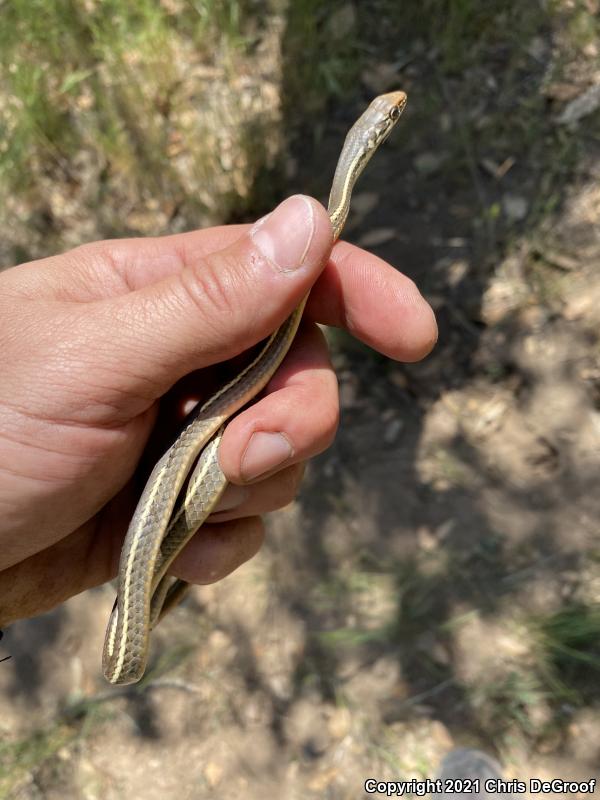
{"x":508,"y":704}
{"x":569,"y":648}
{"x":318,"y":64}
{"x":563,"y":668}
{"x":106,"y":78}
{"x":23,"y":757}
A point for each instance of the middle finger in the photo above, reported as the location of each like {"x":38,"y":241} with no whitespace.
{"x":296,"y":419}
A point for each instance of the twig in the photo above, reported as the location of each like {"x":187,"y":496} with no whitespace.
{"x":134,"y":691}
{"x":417,"y":698}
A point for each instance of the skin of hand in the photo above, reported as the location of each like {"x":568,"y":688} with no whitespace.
{"x":92,"y":340}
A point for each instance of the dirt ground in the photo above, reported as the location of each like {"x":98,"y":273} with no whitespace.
{"x":424,"y":590}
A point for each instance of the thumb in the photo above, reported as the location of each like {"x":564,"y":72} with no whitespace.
{"x":223,"y":303}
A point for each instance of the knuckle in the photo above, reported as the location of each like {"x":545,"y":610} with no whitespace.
{"x":211,"y":286}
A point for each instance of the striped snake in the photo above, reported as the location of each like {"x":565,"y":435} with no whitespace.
{"x":164,"y":522}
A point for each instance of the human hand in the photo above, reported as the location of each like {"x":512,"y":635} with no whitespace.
{"x":91,"y":341}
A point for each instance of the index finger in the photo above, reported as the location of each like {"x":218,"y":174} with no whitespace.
{"x":375,"y":302}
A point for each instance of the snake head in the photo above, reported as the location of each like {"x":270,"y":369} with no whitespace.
{"x":362,"y":140}
{"x":381,"y":116}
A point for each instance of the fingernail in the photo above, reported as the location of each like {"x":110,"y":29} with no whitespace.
{"x":260,"y":222}
{"x":232,"y":497}
{"x":284,"y":236}
{"x":264,"y":452}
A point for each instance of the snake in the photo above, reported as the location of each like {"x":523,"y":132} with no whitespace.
{"x":187,"y":482}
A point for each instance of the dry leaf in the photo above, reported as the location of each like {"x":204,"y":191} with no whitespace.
{"x":581,"y":106}
{"x":377,"y":236}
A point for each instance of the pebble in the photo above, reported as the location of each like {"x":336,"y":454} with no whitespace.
{"x":392,"y":431}
{"x":515,"y":207}
{"x":429,"y":163}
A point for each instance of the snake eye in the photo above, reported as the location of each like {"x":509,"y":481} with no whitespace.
{"x":394,"y":112}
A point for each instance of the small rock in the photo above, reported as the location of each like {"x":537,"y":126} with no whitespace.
{"x":331,"y":467}
{"x":428,"y":644}
{"x":584,"y":736}
{"x":429,"y":163}
{"x":339,"y":723}
{"x":533,"y":317}
{"x":537,"y":48}
{"x":364,"y":202}
{"x":425,"y":539}
{"x":457,"y":270}
{"x":213,"y":773}
{"x":321,"y":780}
{"x":349,"y":390}
{"x":305,"y":727}
{"x":399,"y":379}
{"x":445,"y":122}
{"x":392,"y":431}
{"x":515,"y":207}
{"x":578,"y":306}
{"x":436,"y":301}
{"x":377,"y":236}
